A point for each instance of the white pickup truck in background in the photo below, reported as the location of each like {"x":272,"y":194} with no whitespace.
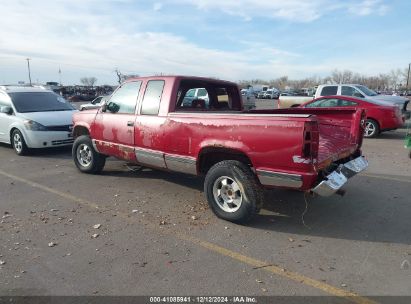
{"x":354,"y":90}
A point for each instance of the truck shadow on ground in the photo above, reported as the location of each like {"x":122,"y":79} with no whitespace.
{"x":363,"y":214}
{"x":189,"y":181}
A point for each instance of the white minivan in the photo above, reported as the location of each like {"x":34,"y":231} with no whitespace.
{"x":33,"y":117}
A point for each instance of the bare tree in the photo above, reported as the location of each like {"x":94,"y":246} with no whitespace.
{"x":92,"y":81}
{"x":88,"y":81}
{"x":123,"y":77}
{"x":282,"y":82}
{"x":119,"y":75}
{"x":382,"y":82}
{"x":395,"y":78}
{"x":341,"y":76}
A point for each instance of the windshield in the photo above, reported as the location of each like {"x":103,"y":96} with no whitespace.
{"x":366,"y":90}
{"x":26,"y":102}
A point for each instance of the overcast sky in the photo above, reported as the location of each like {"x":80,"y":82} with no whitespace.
{"x":228,"y":39}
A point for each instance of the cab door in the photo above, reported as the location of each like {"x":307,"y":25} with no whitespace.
{"x":113,"y":129}
{"x":150,"y":126}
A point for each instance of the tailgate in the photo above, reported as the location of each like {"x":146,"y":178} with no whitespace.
{"x":340,"y":133}
{"x":335,"y":133}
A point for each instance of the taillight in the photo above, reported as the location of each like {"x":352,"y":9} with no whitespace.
{"x":397,"y":112}
{"x":363,"y":120}
{"x":310,"y":141}
{"x":392,"y":111}
{"x":361,"y":129}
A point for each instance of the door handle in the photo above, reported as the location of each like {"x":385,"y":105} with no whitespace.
{"x":130,"y":123}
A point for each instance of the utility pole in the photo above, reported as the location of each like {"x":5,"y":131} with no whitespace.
{"x":408,"y":75}
{"x":28,"y":66}
{"x":60,"y":75}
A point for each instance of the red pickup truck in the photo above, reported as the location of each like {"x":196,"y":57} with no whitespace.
{"x":154,"y":122}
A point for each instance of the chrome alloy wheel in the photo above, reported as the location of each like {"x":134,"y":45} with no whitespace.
{"x":84,"y":155}
{"x":227,"y":194}
{"x":369,"y":129}
{"x":17,"y":142}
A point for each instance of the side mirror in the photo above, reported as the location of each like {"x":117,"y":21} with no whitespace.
{"x":6,"y":110}
{"x":112,"y":107}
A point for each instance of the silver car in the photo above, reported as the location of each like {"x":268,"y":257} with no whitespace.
{"x":94,"y":104}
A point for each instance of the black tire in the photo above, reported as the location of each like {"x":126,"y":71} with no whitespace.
{"x":18,"y":143}
{"x":374,"y":132}
{"x":250,"y":191}
{"x":87,"y":159}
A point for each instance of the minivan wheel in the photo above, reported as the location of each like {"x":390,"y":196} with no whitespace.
{"x":18,"y":143}
{"x":86,"y":158}
{"x":233,"y":191}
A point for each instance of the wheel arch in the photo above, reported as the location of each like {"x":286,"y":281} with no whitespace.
{"x":80,"y":130}
{"x":209,"y":156}
{"x":18,"y":129}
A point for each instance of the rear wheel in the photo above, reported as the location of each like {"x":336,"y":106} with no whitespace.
{"x":18,"y":143}
{"x":233,"y":191}
{"x":372,"y":129}
{"x":85,"y":157}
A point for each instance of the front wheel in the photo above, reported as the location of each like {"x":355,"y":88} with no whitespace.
{"x":18,"y":143}
{"x":85,"y":157}
{"x":372,"y":129}
{"x":233,"y":191}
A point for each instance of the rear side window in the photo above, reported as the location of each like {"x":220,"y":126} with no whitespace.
{"x":346,"y":103}
{"x":202,"y":92}
{"x":347,"y":91}
{"x":330,"y":102}
{"x":191,"y":93}
{"x":196,"y":98}
{"x":209,"y":96}
{"x":329,"y":90}
{"x":323,"y":103}
{"x":152,"y":97}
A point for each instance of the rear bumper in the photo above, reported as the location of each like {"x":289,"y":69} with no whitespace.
{"x":337,"y":179}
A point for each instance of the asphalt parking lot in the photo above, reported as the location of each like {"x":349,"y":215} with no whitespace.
{"x":152,"y":233}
